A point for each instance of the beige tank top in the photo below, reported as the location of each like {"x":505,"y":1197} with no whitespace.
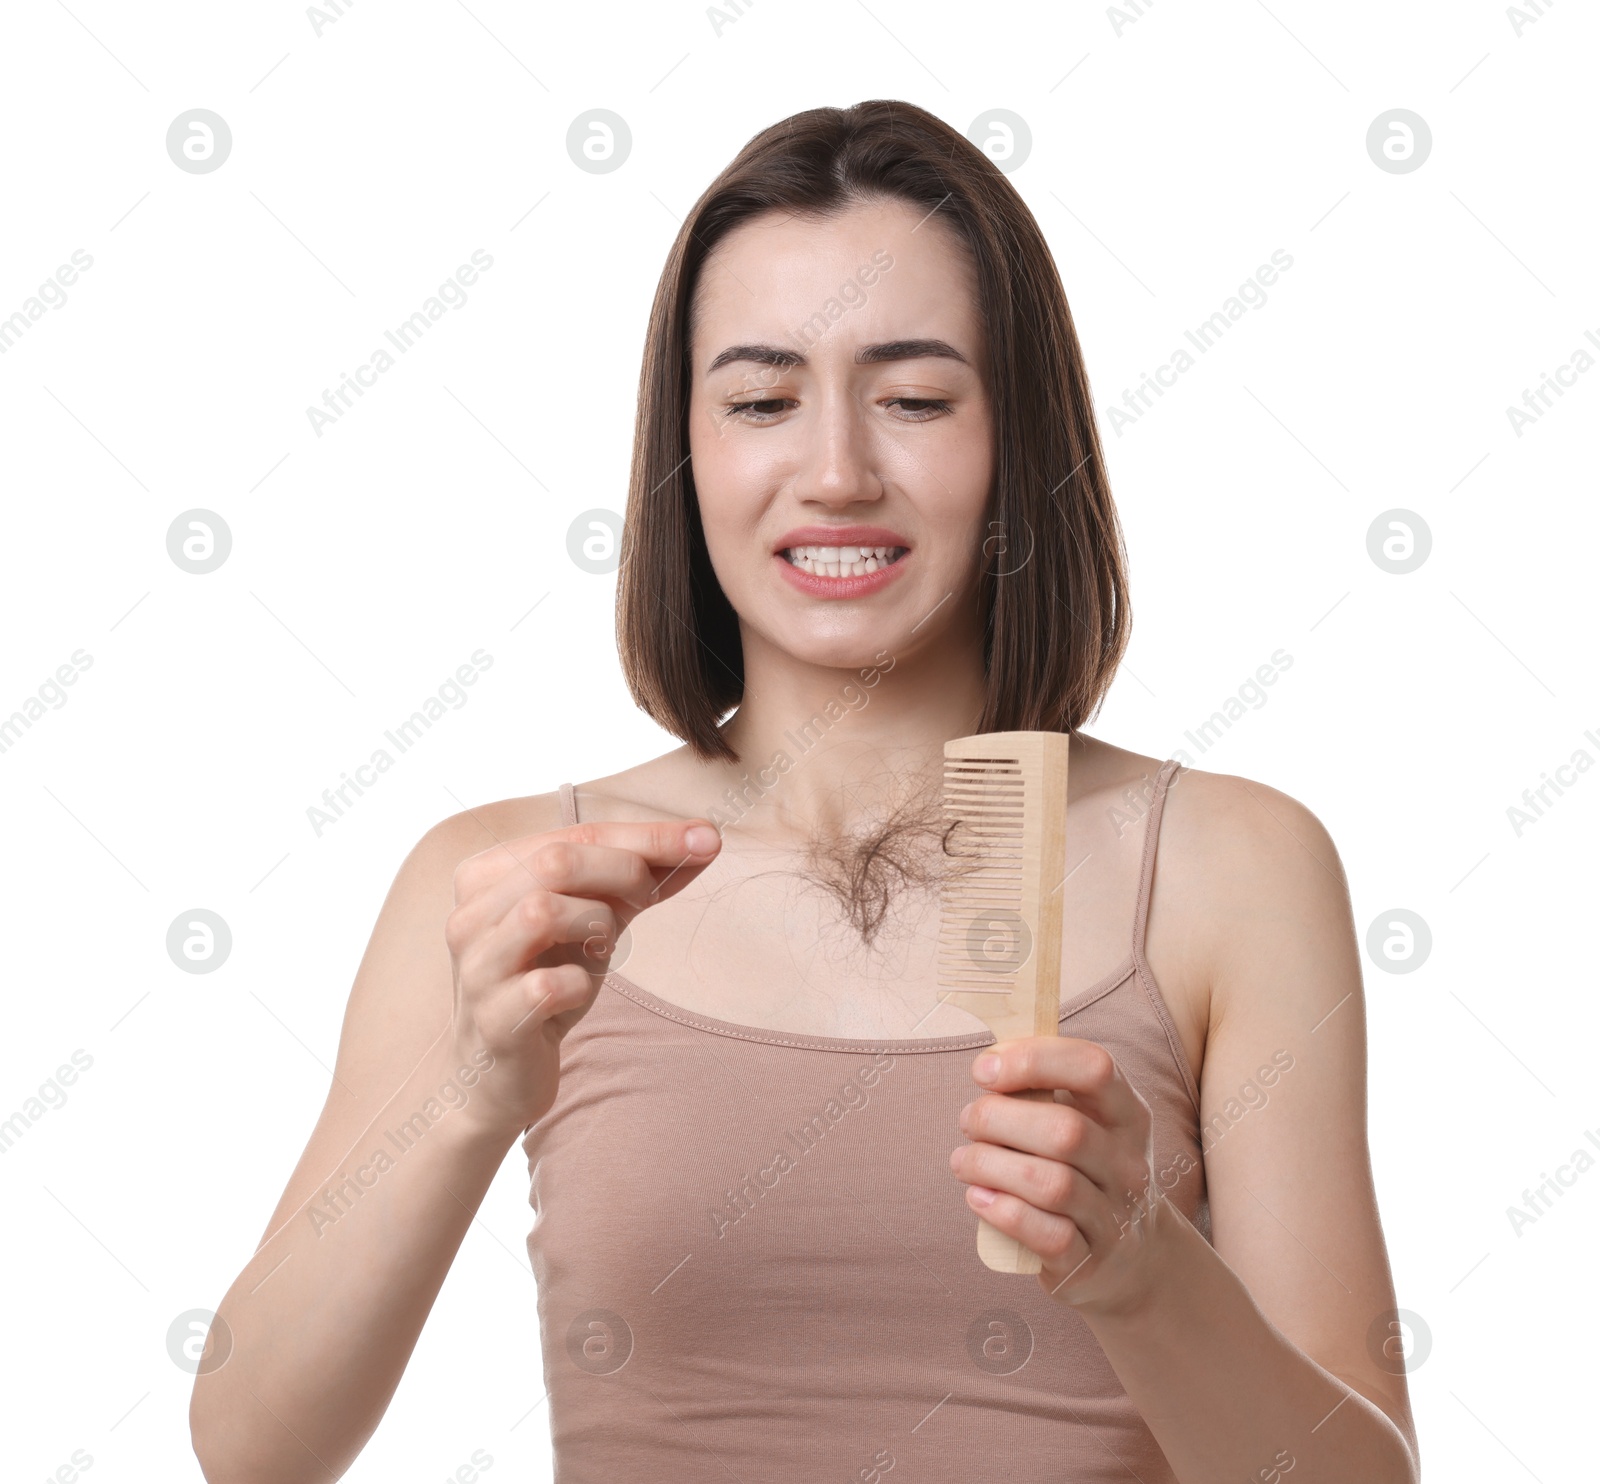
{"x":754,"y":1264}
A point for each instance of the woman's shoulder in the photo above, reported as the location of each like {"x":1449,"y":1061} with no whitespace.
{"x":1245,"y":870}
{"x":435,"y":859}
{"x":648,"y":790}
{"x":1221,"y":828}
{"x":1238,"y":863}
{"x":671,"y":786}
{"x":1239,"y":835}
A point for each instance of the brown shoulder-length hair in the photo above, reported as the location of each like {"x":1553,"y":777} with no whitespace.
{"x":1054,"y":587}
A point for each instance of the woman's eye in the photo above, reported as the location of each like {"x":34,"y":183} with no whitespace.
{"x":914,"y":409}
{"x":920,"y":409}
{"x":757,"y":411}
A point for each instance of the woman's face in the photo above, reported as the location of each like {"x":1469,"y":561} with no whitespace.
{"x":839,"y":399}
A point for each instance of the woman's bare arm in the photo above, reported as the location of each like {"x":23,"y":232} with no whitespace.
{"x":483,"y":957}
{"x":1272,"y":1349}
{"x":324,"y":1317}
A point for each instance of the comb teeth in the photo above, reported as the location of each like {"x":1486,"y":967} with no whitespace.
{"x":983,"y":941}
{"x":1004,"y":799}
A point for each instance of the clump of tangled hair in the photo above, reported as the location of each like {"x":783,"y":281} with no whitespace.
{"x":895,"y":852}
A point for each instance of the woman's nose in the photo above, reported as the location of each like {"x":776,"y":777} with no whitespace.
{"x":838,"y":465}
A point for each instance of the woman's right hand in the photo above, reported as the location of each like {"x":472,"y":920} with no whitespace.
{"x":531,"y":935}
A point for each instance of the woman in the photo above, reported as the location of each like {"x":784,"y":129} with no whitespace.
{"x":869,"y":512}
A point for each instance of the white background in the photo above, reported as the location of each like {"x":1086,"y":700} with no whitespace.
{"x":1171,"y":155}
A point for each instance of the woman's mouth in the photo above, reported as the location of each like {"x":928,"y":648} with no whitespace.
{"x":842,"y":561}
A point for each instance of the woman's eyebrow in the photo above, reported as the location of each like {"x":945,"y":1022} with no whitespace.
{"x":868,"y":355}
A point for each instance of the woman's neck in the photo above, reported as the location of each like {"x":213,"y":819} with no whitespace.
{"x":827,"y":753}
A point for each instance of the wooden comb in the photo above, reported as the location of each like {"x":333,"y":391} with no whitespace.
{"x":1000,"y":914}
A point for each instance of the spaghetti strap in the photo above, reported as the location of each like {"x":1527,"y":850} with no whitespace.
{"x":1152,"y":829}
{"x":569,"y":805}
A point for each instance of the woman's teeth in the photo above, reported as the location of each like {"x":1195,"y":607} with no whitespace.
{"x":843,"y":561}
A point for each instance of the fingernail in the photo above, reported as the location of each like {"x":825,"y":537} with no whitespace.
{"x":980,"y":1195}
{"x":986,"y":1068}
{"x":702,"y":840}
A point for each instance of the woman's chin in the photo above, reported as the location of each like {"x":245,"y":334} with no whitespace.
{"x":869,"y":648}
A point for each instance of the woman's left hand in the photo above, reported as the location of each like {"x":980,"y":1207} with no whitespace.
{"x":1071,"y":1179}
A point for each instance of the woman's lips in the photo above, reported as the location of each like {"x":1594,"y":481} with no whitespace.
{"x":840,"y":587}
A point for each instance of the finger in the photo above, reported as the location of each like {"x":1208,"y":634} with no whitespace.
{"x":561,"y":864}
{"x":1045,"y":1184}
{"x":538,"y":996}
{"x":1085,"y":1069}
{"x":574,"y":869}
{"x":578,"y":930}
{"x":1057,"y":1239}
{"x":1053,"y":1131}
{"x":663,"y":844}
{"x":559,"y":867}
